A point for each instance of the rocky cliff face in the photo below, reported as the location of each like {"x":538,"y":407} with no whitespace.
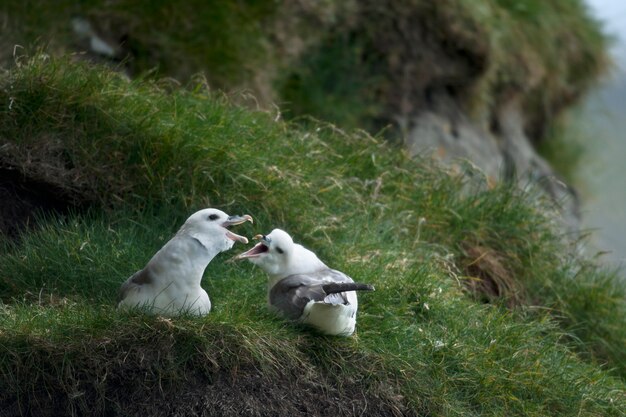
{"x":500,"y":149}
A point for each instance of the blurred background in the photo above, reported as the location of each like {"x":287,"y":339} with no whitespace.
{"x":602,"y":122}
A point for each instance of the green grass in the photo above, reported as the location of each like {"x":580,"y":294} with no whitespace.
{"x":223,"y":38}
{"x":566,"y":151}
{"x":143,"y":157}
{"x":335,"y":83}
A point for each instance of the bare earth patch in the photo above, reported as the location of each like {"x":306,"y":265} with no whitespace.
{"x":22,"y":200}
{"x":240,"y":392}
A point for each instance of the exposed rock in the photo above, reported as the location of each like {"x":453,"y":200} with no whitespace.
{"x":448,"y":134}
{"x":503,"y":151}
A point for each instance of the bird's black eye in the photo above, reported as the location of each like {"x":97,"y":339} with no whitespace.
{"x":214,"y":217}
{"x":279,"y":250}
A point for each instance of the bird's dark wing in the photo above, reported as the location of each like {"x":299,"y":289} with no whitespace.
{"x":291,"y":294}
{"x":139,"y":278}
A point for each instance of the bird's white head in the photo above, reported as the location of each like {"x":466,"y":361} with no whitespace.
{"x":279,"y":256}
{"x":210,"y":227}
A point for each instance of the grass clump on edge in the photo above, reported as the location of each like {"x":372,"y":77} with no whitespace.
{"x":144,"y":156}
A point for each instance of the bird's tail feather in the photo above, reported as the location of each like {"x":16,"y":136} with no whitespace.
{"x":346,"y":286}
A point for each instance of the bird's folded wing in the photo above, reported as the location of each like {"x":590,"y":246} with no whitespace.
{"x":291,"y":294}
{"x":327,"y":275}
{"x":141,"y":277}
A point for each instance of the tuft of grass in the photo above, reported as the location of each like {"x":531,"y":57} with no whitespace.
{"x":143,"y":157}
{"x":588,"y":311}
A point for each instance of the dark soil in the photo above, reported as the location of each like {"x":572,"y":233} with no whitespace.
{"x":242,"y":392}
{"x":22,"y":200}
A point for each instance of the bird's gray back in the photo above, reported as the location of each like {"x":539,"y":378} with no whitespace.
{"x":291,"y":294}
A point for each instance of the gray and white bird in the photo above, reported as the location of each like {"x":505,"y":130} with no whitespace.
{"x":170,"y":283}
{"x":303,"y":288}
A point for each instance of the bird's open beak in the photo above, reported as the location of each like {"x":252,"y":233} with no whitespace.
{"x":234,"y":220}
{"x":257,"y":250}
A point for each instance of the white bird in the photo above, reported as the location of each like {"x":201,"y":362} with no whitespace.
{"x":85,"y":30}
{"x":170,"y":283}
{"x":303,"y":288}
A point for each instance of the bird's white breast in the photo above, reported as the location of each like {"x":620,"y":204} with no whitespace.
{"x":331,"y":319}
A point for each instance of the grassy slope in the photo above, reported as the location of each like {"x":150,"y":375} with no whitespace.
{"x":145,"y":158}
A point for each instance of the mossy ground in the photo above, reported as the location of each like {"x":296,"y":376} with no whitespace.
{"x":143,"y":155}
